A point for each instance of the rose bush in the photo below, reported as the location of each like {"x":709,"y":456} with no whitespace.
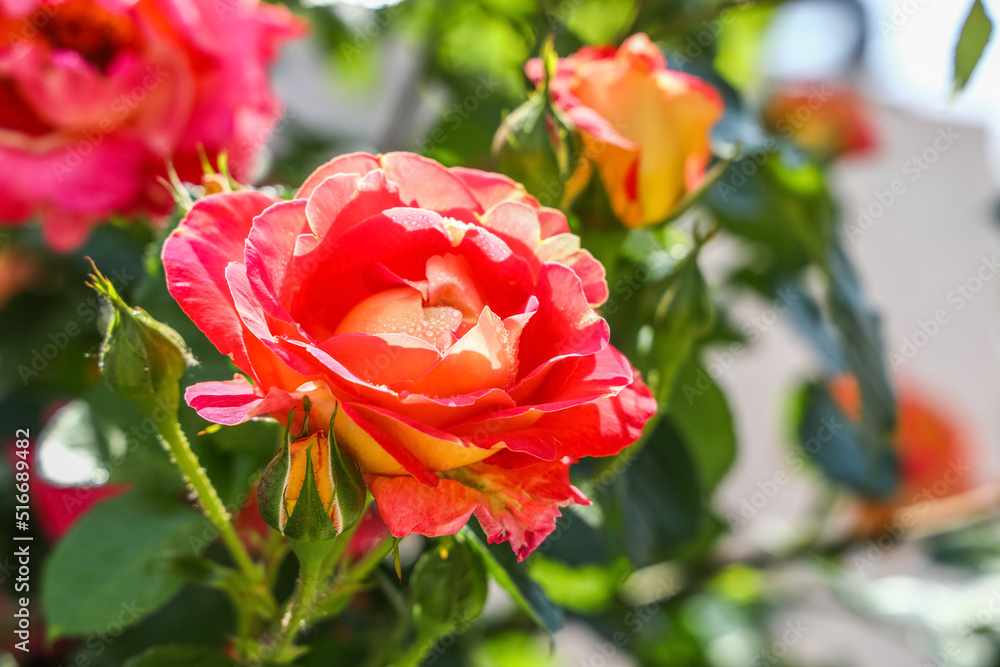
{"x":644,"y":126}
{"x":449,"y":316}
{"x":95,"y":96}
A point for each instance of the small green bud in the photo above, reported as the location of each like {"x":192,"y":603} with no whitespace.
{"x":140,"y":357}
{"x":536,"y":144}
{"x":312,"y":491}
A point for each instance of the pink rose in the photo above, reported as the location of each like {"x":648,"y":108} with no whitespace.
{"x":447,"y":316}
{"x":95,"y":96}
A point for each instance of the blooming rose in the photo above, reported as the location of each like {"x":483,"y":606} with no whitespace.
{"x":96,"y":95}
{"x":448,"y":314}
{"x":934,"y":458}
{"x":645,"y":127}
{"x":822,"y":118}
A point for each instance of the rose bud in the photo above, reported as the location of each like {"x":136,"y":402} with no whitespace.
{"x":536,"y":144}
{"x":140,"y":357}
{"x":643,"y":126}
{"x":311,"y":491}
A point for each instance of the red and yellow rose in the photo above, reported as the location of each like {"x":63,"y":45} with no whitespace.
{"x":448,"y":318}
{"x":645,"y":127}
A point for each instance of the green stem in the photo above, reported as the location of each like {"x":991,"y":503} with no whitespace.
{"x":301,"y":603}
{"x":176,"y":443}
{"x":353,"y":578}
{"x":418,"y":651}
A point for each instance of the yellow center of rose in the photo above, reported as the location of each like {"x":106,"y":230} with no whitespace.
{"x":438,"y":310}
{"x":402,"y":311}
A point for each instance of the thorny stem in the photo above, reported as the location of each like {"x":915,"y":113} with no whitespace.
{"x":302,"y":602}
{"x":176,"y":443}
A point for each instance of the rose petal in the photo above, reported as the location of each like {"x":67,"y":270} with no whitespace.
{"x":195,"y":257}
{"x":235,"y":401}
{"x":516,"y":504}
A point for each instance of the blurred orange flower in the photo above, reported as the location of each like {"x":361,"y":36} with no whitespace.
{"x":934,"y":457}
{"x":822,"y":118}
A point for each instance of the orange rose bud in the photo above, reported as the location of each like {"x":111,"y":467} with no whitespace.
{"x":822,"y":119}
{"x":934,"y":459}
{"x":645,"y":128}
{"x":311,"y":491}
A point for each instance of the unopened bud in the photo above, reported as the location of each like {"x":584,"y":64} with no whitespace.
{"x":140,"y":357}
{"x":536,"y":144}
{"x":311,"y":491}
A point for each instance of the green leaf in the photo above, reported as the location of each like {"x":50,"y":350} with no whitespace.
{"x":973,"y":549}
{"x":684,"y":313}
{"x":448,"y":588}
{"x":701,"y":413}
{"x":858,"y":327}
{"x":803,"y":201}
{"x":514,"y":649}
{"x":972,"y":41}
{"x":113,"y":567}
{"x":807,"y":316}
{"x":598,"y":21}
{"x":176,"y":654}
{"x":661,"y":496}
{"x":501,"y":564}
{"x":833,"y":442}
{"x":785,"y":212}
{"x":588,"y":589}
{"x":740,"y":45}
